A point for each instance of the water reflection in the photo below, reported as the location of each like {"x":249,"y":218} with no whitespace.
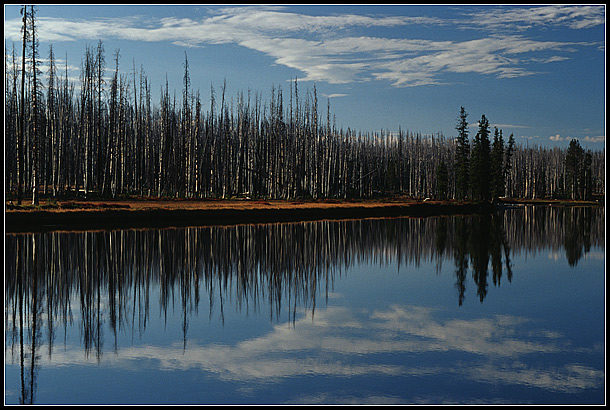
{"x":112,"y":277}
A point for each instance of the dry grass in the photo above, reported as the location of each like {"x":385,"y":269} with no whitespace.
{"x":149,"y":204}
{"x":148,"y":213}
{"x":144,"y":204}
{"x":141,"y":212}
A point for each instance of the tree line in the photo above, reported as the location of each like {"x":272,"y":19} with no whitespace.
{"x":104,"y":137}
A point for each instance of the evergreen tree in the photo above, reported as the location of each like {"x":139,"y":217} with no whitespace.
{"x":587,"y":180}
{"x":507,"y":161}
{"x":573,"y":166}
{"x":578,"y":165}
{"x":480,"y":163}
{"x":462,"y":156}
{"x":497,"y":165}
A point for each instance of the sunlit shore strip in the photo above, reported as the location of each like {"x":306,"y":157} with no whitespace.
{"x":118,"y":215}
{"x":125,"y":214}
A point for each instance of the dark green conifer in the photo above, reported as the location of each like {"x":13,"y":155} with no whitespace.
{"x":480,"y":163}
{"x":462,"y":156}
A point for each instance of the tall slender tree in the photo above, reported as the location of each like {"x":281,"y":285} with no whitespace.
{"x":480,"y":162}
{"x":22,"y":123}
{"x":100,"y":143}
{"x":497,"y":165}
{"x":51,"y":160}
{"x":578,"y":171}
{"x":462,"y":156}
{"x":573,"y":163}
{"x":442,"y":180}
{"x":508,"y":161}
{"x":35,"y":106}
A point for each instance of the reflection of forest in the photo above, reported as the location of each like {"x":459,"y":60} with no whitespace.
{"x":111,"y":274}
{"x":573,"y":229}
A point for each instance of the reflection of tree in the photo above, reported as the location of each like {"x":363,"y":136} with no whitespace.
{"x":577,"y":240}
{"x":26,"y":312}
{"x":535,"y":228}
{"x":479,"y":239}
{"x":460,"y":256}
{"x":112,"y":274}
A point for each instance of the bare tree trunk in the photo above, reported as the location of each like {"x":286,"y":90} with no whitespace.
{"x":35,"y":137}
{"x":22,"y":123}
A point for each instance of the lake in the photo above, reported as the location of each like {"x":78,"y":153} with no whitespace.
{"x":505,"y":308}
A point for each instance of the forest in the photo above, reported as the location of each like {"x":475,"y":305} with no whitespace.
{"x":104,"y":137}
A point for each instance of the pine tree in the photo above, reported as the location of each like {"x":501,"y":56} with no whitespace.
{"x":573,"y":165}
{"x":497,"y":165}
{"x":462,"y":156}
{"x":508,"y":161}
{"x":480,"y":163}
{"x":587,"y":180}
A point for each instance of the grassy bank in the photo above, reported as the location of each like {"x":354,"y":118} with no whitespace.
{"x":157,"y":213}
{"x":144,"y":212}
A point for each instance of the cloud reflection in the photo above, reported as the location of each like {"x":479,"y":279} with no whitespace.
{"x":340,"y":342}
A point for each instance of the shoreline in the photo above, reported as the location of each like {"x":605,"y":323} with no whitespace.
{"x":163,"y":214}
{"x":144,"y":213}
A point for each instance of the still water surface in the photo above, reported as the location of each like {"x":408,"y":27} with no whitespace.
{"x":508,"y":308}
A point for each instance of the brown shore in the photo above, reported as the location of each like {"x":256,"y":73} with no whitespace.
{"x":141,"y":212}
{"x":158,"y":213}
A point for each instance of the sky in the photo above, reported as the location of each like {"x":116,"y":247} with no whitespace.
{"x":537,"y":72}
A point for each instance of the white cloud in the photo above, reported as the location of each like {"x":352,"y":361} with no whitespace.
{"x":599,"y":138}
{"x":337,"y":95}
{"x":265,"y":20}
{"x":501,"y":126}
{"x":323,"y":49}
{"x":557,"y":137}
{"x":554,"y":59}
{"x":574,"y":17}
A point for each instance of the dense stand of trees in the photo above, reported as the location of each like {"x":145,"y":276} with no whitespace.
{"x":107,"y":138}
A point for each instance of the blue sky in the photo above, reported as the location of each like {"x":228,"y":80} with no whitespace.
{"x":535,"y":71}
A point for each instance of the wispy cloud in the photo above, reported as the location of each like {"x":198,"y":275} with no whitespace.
{"x":599,"y":138}
{"x":557,"y":138}
{"x":323,"y":47}
{"x":573,"y":17}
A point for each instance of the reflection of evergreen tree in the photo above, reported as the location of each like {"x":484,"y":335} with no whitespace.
{"x":480,"y":240}
{"x":498,"y":247}
{"x":461,"y":257}
{"x":441,"y":240}
{"x":577,"y":240}
{"x":478,"y":248}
